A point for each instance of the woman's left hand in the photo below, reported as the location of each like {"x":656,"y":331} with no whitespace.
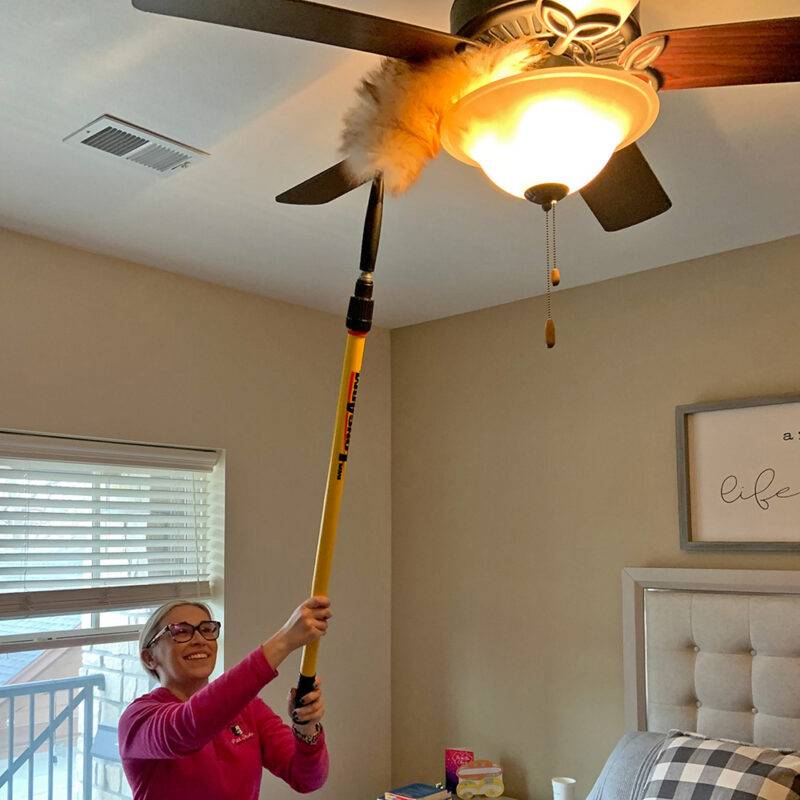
{"x":310,"y":712}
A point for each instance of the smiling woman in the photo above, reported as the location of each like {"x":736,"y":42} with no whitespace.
{"x":161,"y":624}
{"x":195,"y":738}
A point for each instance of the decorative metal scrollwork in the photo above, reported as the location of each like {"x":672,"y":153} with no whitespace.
{"x":642,"y":53}
{"x":593,"y":39}
{"x":571,"y":29}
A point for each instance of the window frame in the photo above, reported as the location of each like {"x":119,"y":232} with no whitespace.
{"x":57,"y":602}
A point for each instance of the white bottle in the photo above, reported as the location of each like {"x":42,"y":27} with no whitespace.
{"x":563,"y":788}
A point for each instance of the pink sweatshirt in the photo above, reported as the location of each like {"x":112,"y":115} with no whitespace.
{"x":214,"y":745}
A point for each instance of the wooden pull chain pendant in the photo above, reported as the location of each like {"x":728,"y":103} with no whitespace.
{"x":550,"y":334}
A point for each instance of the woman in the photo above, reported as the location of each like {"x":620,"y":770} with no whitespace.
{"x":210,"y":741}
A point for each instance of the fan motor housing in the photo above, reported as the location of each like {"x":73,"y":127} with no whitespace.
{"x":493,"y":21}
{"x":467,"y":17}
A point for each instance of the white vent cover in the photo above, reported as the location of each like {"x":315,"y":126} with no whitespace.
{"x":136,"y":145}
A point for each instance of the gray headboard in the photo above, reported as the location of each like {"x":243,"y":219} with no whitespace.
{"x":713,"y":651}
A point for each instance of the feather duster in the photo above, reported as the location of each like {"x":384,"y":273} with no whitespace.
{"x":394,"y":127}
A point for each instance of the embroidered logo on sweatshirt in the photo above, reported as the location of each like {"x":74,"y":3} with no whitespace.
{"x":239,"y":734}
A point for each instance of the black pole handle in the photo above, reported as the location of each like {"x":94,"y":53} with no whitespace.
{"x":305,"y":684}
{"x":372,"y":226}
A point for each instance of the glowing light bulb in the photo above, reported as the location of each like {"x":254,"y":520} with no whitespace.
{"x":547,"y":126}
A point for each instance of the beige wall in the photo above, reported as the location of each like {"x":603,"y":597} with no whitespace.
{"x":100,"y":347}
{"x":525,"y":480}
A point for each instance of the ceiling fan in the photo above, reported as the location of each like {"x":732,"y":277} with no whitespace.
{"x":591,"y":58}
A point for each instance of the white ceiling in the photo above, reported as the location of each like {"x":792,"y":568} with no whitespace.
{"x":268,"y":110}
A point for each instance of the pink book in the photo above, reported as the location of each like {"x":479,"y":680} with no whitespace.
{"x":454,"y":757}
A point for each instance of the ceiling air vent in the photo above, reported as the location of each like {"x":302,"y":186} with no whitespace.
{"x":136,"y":145}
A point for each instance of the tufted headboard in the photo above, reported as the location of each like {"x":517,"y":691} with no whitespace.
{"x":713,"y":651}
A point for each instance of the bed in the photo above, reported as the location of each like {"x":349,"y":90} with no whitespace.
{"x":711,"y":651}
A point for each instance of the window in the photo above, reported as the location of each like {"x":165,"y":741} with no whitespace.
{"x":93,"y":536}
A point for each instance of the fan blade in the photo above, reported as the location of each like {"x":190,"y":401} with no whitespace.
{"x":314,"y":22}
{"x":760,"y":51}
{"x":322,"y":188}
{"x":626,"y":192}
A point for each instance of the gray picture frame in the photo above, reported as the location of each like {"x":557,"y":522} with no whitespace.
{"x":682,"y":414}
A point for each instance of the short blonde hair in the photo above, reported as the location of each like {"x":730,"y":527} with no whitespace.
{"x":153,"y":625}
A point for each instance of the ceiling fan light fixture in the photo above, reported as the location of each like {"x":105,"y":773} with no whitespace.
{"x":549,"y":126}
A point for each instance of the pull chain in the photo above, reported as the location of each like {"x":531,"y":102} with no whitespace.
{"x":547,"y":195}
{"x":551,"y":276}
{"x":547,"y":263}
{"x":555,"y":272}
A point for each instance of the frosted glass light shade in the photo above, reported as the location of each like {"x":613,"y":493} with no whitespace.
{"x":558,"y":125}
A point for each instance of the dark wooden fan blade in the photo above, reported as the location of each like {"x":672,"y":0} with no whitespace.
{"x":322,"y":188}
{"x":626,"y":192}
{"x":316,"y":23}
{"x":760,"y":51}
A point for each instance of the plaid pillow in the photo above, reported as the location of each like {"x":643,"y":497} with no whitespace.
{"x":691,"y":767}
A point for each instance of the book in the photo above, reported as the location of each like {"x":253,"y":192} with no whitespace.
{"x":454,"y":757}
{"x":417,"y":791}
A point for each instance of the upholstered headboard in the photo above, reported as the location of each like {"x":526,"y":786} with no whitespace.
{"x":714,"y":651}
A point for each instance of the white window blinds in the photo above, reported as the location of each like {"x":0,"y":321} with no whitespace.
{"x":91,"y":525}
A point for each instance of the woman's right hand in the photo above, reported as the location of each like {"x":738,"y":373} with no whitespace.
{"x":307,"y":623}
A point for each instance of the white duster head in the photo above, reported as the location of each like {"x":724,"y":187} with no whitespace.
{"x":394,"y":128}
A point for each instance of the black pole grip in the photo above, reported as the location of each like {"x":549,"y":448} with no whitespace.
{"x":359,"y":312}
{"x":372,"y":226}
{"x":304,"y":686}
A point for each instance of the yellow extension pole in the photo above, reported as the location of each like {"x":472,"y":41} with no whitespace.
{"x":345,"y":410}
{"x":359,"y":323}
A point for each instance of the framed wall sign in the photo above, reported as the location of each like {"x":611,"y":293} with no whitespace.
{"x":739,"y":474}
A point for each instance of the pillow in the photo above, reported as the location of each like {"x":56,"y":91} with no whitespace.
{"x":693,"y":767}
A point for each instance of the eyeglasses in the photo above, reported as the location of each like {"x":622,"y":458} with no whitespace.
{"x":182,"y":632}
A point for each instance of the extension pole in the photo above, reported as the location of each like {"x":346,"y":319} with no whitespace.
{"x":359,"y":323}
